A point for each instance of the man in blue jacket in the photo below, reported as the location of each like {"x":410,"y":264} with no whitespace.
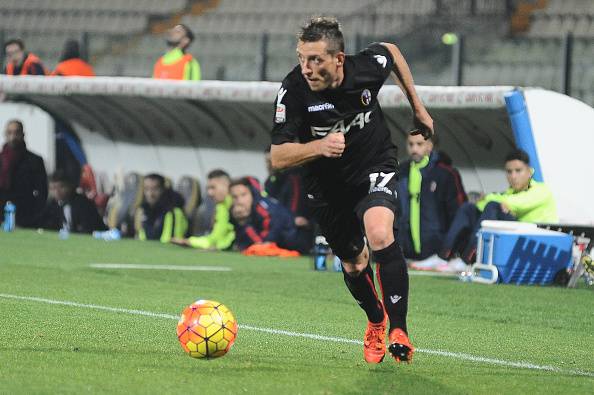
{"x":429,"y":194}
{"x":258,"y":219}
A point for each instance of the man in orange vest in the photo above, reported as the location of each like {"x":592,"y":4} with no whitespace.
{"x":177,"y":64}
{"x":19,"y":62}
{"x":71,"y":63}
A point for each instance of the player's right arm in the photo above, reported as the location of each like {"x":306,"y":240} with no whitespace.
{"x":289,"y":119}
{"x":287,"y":155}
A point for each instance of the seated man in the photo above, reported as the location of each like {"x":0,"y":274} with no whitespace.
{"x":286,"y":186}
{"x":23,"y":179}
{"x":429,"y":193}
{"x":160,"y":216}
{"x":526,"y":200}
{"x":67,"y":209}
{"x":259,"y":220}
{"x":221,"y":235}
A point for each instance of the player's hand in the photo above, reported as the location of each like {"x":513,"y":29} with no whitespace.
{"x":423,"y":124}
{"x":505,"y":208}
{"x":333,"y":145}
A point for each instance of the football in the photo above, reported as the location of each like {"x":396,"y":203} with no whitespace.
{"x":206,"y":329}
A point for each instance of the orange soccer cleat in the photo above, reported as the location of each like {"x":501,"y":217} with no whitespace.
{"x":400,"y":347}
{"x":374,"y":342}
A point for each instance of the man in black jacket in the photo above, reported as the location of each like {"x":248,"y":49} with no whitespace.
{"x":68,"y":209}
{"x":23,"y":179}
{"x":429,"y":194}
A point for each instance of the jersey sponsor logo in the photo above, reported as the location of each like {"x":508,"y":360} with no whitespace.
{"x":381,"y":59}
{"x":320,"y":107}
{"x":366,"y":97}
{"x":360,"y":120}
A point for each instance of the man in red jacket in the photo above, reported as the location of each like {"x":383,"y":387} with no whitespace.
{"x":19,"y":62}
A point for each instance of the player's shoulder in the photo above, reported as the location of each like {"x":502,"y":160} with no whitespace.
{"x":375,"y":52}
{"x":294,"y":79}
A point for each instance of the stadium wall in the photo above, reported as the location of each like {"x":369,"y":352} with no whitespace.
{"x":179,"y":128}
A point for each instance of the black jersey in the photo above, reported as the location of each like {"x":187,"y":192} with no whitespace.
{"x":302,"y":115}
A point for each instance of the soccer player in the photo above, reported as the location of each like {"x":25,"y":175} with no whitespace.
{"x":328,"y":118}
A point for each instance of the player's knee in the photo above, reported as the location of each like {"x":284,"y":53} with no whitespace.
{"x":379,"y":237}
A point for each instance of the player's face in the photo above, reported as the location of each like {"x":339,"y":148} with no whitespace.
{"x":217,"y":189}
{"x":418,"y":147}
{"x":59,"y":191}
{"x":14,"y":54}
{"x":13,"y":134}
{"x":320,"y":69}
{"x":152,"y":191}
{"x":242,"y":201}
{"x":518,"y":174}
{"x":176,"y":37}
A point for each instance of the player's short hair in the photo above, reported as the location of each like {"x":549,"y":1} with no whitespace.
{"x":241,"y":181}
{"x":189,"y":33}
{"x":156,"y":177}
{"x":518,"y":154}
{"x":18,"y":123}
{"x":16,"y":41}
{"x":323,"y":28}
{"x":218,"y":173}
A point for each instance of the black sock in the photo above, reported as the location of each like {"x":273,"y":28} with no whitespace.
{"x":392,"y":276}
{"x":363,"y":290}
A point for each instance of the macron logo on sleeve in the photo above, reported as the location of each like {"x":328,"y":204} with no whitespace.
{"x":381,"y":59}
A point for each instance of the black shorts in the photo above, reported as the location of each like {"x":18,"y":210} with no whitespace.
{"x":340,"y":212}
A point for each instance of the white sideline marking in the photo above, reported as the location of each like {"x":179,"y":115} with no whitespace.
{"x":159,"y":267}
{"x":462,"y":356}
{"x":430,"y":273}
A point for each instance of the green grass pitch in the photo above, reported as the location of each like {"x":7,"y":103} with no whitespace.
{"x":472,"y":338}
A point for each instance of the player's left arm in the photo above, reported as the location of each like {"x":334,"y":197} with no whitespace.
{"x":403,"y":77}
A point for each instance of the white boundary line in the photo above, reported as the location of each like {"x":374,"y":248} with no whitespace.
{"x":461,"y":356}
{"x":159,"y":267}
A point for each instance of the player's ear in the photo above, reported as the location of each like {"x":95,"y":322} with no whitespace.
{"x":340,"y":58}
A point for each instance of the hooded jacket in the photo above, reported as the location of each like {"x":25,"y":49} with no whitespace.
{"x":441,"y":194}
{"x":269,"y":221}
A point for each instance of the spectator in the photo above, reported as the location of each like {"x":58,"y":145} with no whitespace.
{"x":67,"y":209}
{"x":160,"y":216}
{"x":257,"y":219}
{"x":429,"y":193}
{"x":19,"y":62}
{"x":177,"y":64}
{"x":286,"y":186}
{"x":526,"y":200}
{"x":222,"y":235}
{"x":71,"y":63}
{"x":23,"y":179}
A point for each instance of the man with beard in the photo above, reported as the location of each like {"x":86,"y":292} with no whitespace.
{"x":23,"y":179}
{"x":177,"y":64}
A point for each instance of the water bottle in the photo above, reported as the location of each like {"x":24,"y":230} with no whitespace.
{"x":108,"y":235}
{"x":64,"y":233}
{"x":9,"y":217}
{"x":321,"y":250}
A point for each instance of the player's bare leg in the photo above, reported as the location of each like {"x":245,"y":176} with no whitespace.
{"x":358,"y":277}
{"x":392,"y":275}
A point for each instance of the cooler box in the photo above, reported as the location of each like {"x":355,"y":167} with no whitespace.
{"x":520,"y":253}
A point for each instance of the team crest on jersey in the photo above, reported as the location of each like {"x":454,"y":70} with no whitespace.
{"x":366,"y":97}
